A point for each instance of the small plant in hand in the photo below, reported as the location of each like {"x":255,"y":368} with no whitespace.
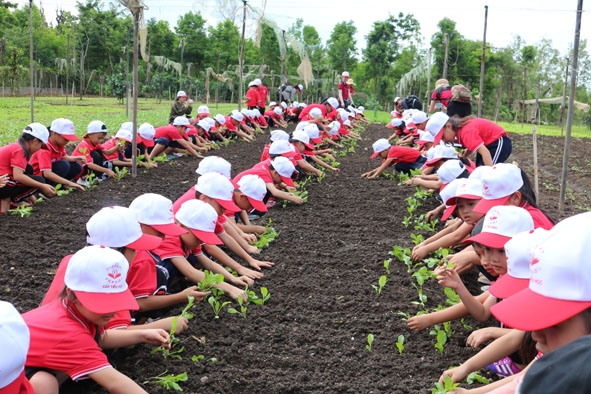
{"x":169,"y":382}
{"x":445,"y":387}
{"x":400,"y":344}
{"x":176,"y":354}
{"x":369,"y":345}
{"x":381,"y":283}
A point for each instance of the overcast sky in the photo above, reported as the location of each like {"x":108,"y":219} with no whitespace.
{"x":532,"y":20}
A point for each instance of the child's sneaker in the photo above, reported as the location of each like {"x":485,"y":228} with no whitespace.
{"x":83,"y":182}
{"x":504,"y":367}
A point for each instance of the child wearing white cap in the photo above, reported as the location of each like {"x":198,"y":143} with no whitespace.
{"x":182,"y":256}
{"x":14,"y":342}
{"x":92,"y":149}
{"x":182,"y":106}
{"x":402,"y":158}
{"x":173,"y":138}
{"x":346,"y":90}
{"x":68,"y":334}
{"x":274,"y":117}
{"x":14,"y":162}
{"x":52,"y":161}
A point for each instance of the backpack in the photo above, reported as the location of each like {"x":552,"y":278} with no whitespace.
{"x":412,"y":102}
{"x":461,"y":93}
{"x":441,"y":89}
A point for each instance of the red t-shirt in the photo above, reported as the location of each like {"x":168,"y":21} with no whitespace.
{"x":63,"y":340}
{"x":444,"y":96}
{"x":346,"y":89}
{"x":252,"y":97}
{"x":403,"y":154}
{"x":12,"y":155}
{"x":110,"y":143}
{"x":230,"y":124}
{"x":188,"y":195}
{"x":169,"y":132}
{"x":540,"y":220}
{"x":263,"y":93}
{"x":43,"y":159}
{"x":478,"y":132}
{"x":304,"y":115}
{"x":261,"y":169}
{"x":85,"y":148}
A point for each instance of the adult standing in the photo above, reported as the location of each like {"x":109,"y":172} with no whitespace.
{"x":345,"y":91}
{"x":182,"y":106}
{"x":263,"y":94}
{"x":289,"y":93}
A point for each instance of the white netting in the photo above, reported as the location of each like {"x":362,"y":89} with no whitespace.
{"x":138,"y":7}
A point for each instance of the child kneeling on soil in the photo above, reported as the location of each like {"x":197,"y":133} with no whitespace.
{"x":500,"y":225}
{"x":68,"y":334}
{"x":20,"y":183}
{"x":90,"y":147}
{"x":182,"y":257}
{"x":403,"y":158}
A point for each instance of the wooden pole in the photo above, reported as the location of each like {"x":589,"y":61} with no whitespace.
{"x":482,"y":64}
{"x":135,"y":12}
{"x":563,"y":103}
{"x":241,"y":60}
{"x":535,"y":119}
{"x":31,"y":61}
{"x":571,"y":101}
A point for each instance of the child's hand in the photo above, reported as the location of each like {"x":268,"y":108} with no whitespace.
{"x":456,"y":374}
{"x":449,"y":278}
{"x":478,"y":337}
{"x":243,"y":281}
{"x":250,"y":238}
{"x":243,"y":271}
{"x":157,"y":337}
{"x":258,"y":264}
{"x":419,"y":322}
{"x":193,"y":291}
{"x":111,"y":174}
{"x":419,"y":253}
{"x":48,"y":190}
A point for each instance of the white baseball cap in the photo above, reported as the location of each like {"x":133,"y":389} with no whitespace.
{"x":312,"y":131}
{"x":316,"y":113}
{"x":236,"y":115}
{"x":395,"y":122}
{"x":278,"y":110}
{"x":379,"y":146}
{"x":214,"y":164}
{"x":116,"y":227}
{"x":333,"y":102}
{"x":156,"y":211}
{"x":300,"y":87}
{"x":445,"y":194}
{"x":302,"y":136}
{"x":498,"y":184}
{"x":219,"y":187}
{"x":204,"y":124}
{"x":181,"y":121}
{"x":439,"y":152}
{"x":97,"y":276}
{"x":255,"y":190}
{"x":419,"y":117}
{"x":147,"y":133}
{"x":334,"y":127}
{"x":277,"y":135}
{"x":501,"y":223}
{"x":221,"y":119}
{"x":200,"y":218}
{"x":283,"y":148}
{"x":436,"y":122}
{"x":65,"y":128}
{"x":38,"y":131}
{"x":14,"y":342}
{"x":96,"y":126}
{"x":450,"y":170}
{"x":345,"y":74}
{"x":125,"y":135}
{"x":203,"y":109}
{"x":468,"y":188}
{"x":181,"y":93}
{"x":284,"y":168}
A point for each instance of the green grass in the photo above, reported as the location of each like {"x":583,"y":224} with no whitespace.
{"x":15,"y":113}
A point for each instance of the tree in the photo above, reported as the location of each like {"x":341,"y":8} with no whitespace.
{"x":191,"y":29}
{"x":225,"y":40}
{"x":342,"y":46}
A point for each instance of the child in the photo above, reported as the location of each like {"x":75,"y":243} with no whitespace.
{"x":91,"y":149}
{"x":489,"y":140}
{"x":172,"y":137}
{"x":276,"y":135}
{"x":277,"y":175}
{"x":53,"y":163}
{"x":118,"y":144}
{"x":234,"y":125}
{"x":301,"y":141}
{"x":14,"y":162}
{"x":182,"y":257}
{"x":403,"y":158}
{"x":14,"y":342}
{"x":500,"y":224}
{"x":68,"y":334}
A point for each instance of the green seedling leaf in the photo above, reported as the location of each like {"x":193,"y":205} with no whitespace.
{"x":400,"y":344}
{"x":476,"y":377}
{"x":169,"y":382}
{"x":387,"y":266}
{"x":369,"y":345}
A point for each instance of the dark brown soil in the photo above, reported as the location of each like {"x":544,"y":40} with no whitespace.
{"x":311,"y":336}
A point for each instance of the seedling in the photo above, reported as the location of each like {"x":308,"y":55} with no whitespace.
{"x":266,"y":237}
{"x":22,"y":211}
{"x":168,"y":381}
{"x":92,"y":181}
{"x":381,"y":283}
{"x":369,"y":342}
{"x":160,"y":159}
{"x":441,"y":337}
{"x":475,"y":376}
{"x":255,"y":299}
{"x":387,"y":266}
{"x":452,"y":296}
{"x":176,"y":354}
{"x":215,"y":303}
{"x":405,"y":316}
{"x":243,"y":308}
{"x":417,"y":238}
{"x":466,"y":326}
{"x":400,"y":344}
{"x":210,"y":281}
{"x":121,"y":173}
{"x":445,"y":387}
{"x":61,"y":191}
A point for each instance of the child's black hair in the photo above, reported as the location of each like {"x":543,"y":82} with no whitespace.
{"x":528,"y":195}
{"x":26,"y":137}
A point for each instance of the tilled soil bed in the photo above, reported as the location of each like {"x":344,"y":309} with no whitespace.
{"x":311,"y":336}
